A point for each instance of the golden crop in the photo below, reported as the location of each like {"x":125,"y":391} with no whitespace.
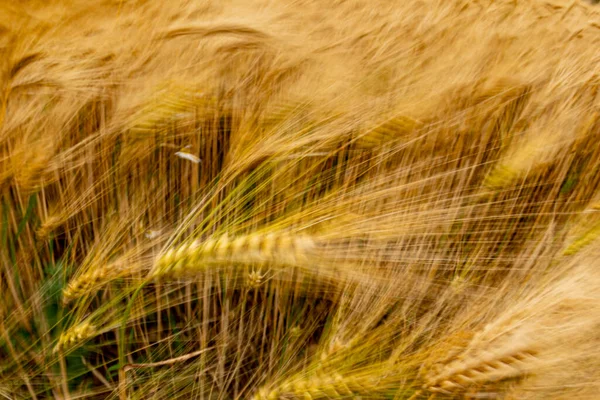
{"x":299,"y":199}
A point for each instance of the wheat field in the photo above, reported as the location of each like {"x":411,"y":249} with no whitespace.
{"x":299,"y":199}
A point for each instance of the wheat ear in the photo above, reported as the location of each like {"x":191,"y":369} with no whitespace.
{"x":273,"y":248}
{"x":168,"y":106}
{"x":393,"y":129}
{"x":584,"y":240}
{"x":322,"y":386}
{"x":481,"y":366}
{"x":86,"y":282}
{"x":75,"y":334}
{"x":524,"y":338}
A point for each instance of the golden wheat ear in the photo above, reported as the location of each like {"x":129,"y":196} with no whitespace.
{"x":83,"y":284}
{"x":323,"y":386}
{"x":394,"y":129}
{"x":522,"y":340}
{"x":492,"y":357}
{"x":169,"y":104}
{"x":483,"y":367}
{"x":282,"y":112}
{"x":584,"y":240}
{"x":278,"y":248}
{"x":91,"y":281}
{"x":74,"y":335}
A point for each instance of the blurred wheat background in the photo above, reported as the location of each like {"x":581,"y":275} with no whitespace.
{"x":299,"y":199}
